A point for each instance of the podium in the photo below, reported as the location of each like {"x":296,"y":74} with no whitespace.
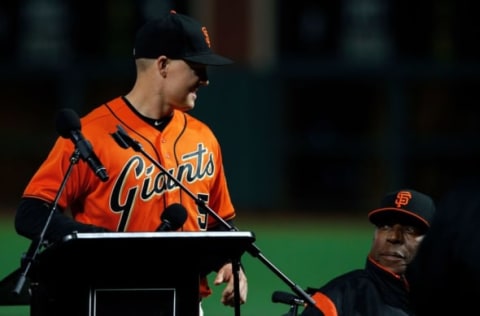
{"x":128,"y":274}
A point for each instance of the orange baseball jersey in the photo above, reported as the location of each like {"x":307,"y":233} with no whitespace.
{"x":137,"y":192}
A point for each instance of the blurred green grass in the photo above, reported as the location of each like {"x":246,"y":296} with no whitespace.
{"x":12,"y":246}
{"x":308,"y":251}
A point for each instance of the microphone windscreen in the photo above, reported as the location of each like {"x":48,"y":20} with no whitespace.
{"x":66,"y":121}
{"x":175,"y":214}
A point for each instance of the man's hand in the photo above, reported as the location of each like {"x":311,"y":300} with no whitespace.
{"x":225,"y":275}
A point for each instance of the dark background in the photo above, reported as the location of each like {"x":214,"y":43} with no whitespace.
{"x":359,"y":97}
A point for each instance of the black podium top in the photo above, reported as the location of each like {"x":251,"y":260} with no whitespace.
{"x":151,"y":244}
{"x":238,"y":238}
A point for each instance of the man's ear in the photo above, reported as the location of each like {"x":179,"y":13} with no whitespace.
{"x":162,"y":63}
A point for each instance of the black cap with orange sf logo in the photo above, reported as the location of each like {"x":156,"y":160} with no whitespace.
{"x":176,"y":36}
{"x":409,"y":204}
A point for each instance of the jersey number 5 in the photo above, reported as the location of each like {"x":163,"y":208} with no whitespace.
{"x":202,"y":213}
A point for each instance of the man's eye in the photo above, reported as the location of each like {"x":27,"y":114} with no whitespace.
{"x":410,"y":230}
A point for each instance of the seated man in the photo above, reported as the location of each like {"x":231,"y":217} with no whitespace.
{"x":401,"y":221}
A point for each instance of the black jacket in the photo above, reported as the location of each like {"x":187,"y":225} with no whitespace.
{"x":372,"y":291}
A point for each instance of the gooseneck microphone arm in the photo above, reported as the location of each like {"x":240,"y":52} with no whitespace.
{"x":37,"y":244}
{"x":125,"y":141}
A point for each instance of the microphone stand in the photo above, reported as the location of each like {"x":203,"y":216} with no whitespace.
{"x":36,"y":245}
{"x":125,"y":141}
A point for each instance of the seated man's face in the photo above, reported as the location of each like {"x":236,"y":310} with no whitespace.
{"x":395,"y":244}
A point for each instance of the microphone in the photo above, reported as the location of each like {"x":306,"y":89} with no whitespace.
{"x":286,"y":298}
{"x":172,"y":218}
{"x":68,"y":126}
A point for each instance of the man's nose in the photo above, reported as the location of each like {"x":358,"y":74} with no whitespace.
{"x":204,"y":83}
{"x":395,"y":234}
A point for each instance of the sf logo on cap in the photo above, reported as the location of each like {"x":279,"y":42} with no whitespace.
{"x":207,"y":37}
{"x":403,"y":197}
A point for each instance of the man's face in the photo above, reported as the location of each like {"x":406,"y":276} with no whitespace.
{"x":395,"y":245}
{"x":184,"y":79}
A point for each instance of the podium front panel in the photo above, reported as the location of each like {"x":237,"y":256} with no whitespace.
{"x":87,"y":273}
{"x":132,"y":302}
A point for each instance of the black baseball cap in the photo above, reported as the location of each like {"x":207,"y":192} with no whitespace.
{"x":410,"y":205}
{"x":176,"y":36}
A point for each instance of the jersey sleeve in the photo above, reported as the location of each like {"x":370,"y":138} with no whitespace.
{"x":47,"y":180}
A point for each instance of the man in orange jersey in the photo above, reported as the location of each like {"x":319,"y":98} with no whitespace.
{"x":171,"y":56}
{"x":381,"y":288}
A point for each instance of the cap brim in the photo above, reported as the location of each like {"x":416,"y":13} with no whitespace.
{"x":210,"y":59}
{"x":378,"y":216}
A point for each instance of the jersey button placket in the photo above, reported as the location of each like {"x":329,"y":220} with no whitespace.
{"x":165,"y":154}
